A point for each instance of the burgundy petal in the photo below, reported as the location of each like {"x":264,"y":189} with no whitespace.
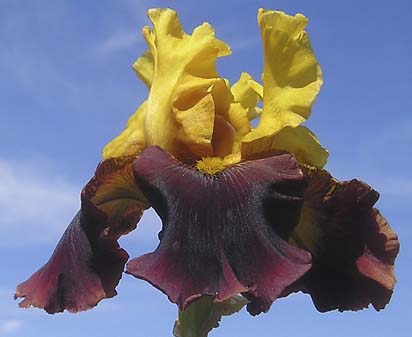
{"x":87,"y":263}
{"x":352,"y":245}
{"x":217,"y":237}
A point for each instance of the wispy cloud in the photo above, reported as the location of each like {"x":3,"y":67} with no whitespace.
{"x":35,"y":204}
{"x":119,"y":41}
{"x":9,"y":326}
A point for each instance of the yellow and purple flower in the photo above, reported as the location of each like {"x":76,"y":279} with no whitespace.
{"x":245,"y":210}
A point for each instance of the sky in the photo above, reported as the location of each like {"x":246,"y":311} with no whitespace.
{"x":67,"y":88}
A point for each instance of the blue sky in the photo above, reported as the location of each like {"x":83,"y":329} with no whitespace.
{"x":67,"y":88}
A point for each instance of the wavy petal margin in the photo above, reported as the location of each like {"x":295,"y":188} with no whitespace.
{"x":187,"y":98}
{"x":248,"y":92}
{"x":299,"y":140}
{"x":352,"y":246}
{"x":180,"y":111}
{"x":217,"y":238}
{"x":291,"y":77}
{"x":87,"y":263}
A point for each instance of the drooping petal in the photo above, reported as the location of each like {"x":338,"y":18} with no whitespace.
{"x":291,"y":78}
{"x":352,"y":245}
{"x":113,"y":191}
{"x":132,"y":139}
{"x":299,"y":140}
{"x":220,"y":234}
{"x":87,"y":264}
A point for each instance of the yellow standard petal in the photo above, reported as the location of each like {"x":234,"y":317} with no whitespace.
{"x":144,"y":67}
{"x":180,"y":108}
{"x":132,"y":140}
{"x":291,"y":77}
{"x":248,"y":92}
{"x":291,"y":80}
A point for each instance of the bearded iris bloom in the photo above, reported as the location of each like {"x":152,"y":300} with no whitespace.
{"x":245,"y":210}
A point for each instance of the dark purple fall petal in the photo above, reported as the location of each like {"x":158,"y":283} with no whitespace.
{"x":219,"y":235}
{"x":352,"y":246}
{"x":87,"y":263}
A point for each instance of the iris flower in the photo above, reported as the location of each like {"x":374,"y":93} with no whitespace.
{"x":245,"y":203}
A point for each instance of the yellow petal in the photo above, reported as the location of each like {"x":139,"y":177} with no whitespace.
{"x":178,"y":115}
{"x":196,"y":123}
{"x":114,"y":191}
{"x":132,"y":139}
{"x":235,"y":116}
{"x":291,"y":78}
{"x":144,"y":67}
{"x":300,"y":141}
{"x":248,"y":92}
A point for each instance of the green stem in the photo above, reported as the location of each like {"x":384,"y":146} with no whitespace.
{"x":192,"y":320}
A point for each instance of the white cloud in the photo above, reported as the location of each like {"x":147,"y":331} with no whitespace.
{"x":9,"y":326}
{"x":35,"y":204}
{"x":119,"y":41}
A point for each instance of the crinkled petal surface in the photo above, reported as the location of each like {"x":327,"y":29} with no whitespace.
{"x":248,"y":92}
{"x":299,"y":140}
{"x":352,"y":246}
{"x":291,"y":75}
{"x":221,"y":233}
{"x":291,"y":78}
{"x":87,"y":263}
{"x":180,"y":111}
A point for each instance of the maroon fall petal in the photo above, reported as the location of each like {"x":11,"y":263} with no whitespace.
{"x":219,"y":235}
{"x":352,"y":246}
{"x":88,"y":263}
{"x":81,"y":271}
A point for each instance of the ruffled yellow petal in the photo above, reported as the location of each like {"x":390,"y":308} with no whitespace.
{"x":291,"y":78}
{"x":180,"y":109}
{"x":248,"y":92}
{"x":236,"y":120}
{"x":144,"y":67}
{"x":132,"y":140}
{"x":300,"y":141}
{"x":303,"y":144}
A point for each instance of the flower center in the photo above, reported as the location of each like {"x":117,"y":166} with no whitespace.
{"x":210,"y":165}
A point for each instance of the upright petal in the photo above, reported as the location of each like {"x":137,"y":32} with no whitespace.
{"x":291,"y":75}
{"x":144,"y":68}
{"x":248,"y":92}
{"x":87,"y":264}
{"x":221,"y":233}
{"x":352,"y":245}
{"x":235,"y":116}
{"x":180,"y":110}
{"x":132,"y":140}
{"x":291,"y":78}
